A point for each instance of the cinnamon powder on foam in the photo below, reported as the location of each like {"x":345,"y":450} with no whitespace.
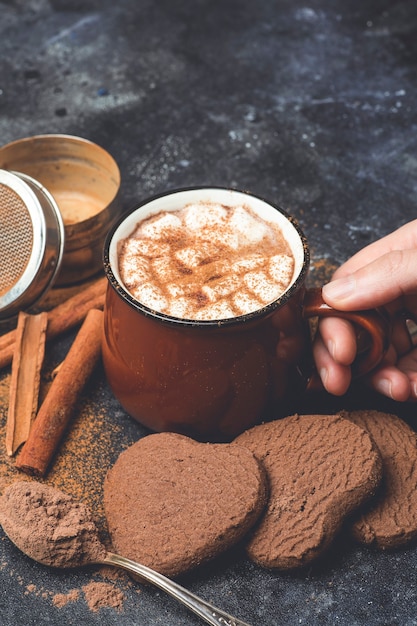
{"x":206,"y":261}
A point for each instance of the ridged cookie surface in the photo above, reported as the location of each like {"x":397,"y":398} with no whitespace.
{"x":390,"y":520}
{"x":172,"y":503}
{"x":320,"y":469}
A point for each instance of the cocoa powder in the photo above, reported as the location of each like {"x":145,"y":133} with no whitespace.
{"x":50,"y":526}
{"x":101,"y":594}
{"x":62,"y":599}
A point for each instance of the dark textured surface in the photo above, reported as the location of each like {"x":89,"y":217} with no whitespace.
{"x":311,"y":105}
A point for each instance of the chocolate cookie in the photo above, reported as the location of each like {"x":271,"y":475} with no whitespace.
{"x":320,"y":468}
{"x":172,"y":503}
{"x":390,"y":520}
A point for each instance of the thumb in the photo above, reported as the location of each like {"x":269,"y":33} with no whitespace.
{"x":383,"y":280}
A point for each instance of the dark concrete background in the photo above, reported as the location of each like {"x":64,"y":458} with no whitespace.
{"x":309,"y":104}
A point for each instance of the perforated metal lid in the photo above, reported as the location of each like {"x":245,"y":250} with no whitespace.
{"x":31,"y":242}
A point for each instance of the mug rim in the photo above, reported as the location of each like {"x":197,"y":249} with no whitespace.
{"x":191,"y":323}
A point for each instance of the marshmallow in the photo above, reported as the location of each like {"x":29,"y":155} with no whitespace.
{"x":206,"y":261}
{"x":160,"y":226}
{"x":199,"y":216}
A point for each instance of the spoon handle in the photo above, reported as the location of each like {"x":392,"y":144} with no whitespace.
{"x":206,"y":611}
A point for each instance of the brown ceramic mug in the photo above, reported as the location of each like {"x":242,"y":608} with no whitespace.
{"x":213,"y":378}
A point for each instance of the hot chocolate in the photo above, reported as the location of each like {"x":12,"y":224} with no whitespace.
{"x":206,"y":261}
{"x":230,"y":366}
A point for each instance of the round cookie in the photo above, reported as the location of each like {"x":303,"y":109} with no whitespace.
{"x":320,"y":468}
{"x":173,"y":503}
{"x":390,"y":520}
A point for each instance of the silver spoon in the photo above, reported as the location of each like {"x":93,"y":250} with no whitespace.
{"x":206,"y":611}
{"x":55,"y":530}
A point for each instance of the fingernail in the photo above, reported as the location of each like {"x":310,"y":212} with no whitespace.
{"x":330,"y":347}
{"x":340,"y":288}
{"x":324,"y":374}
{"x":384,"y":386}
{"x":414,"y":389}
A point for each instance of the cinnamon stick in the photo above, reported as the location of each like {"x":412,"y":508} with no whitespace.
{"x":61,"y":318}
{"x":58,"y":406}
{"x":25,"y":378}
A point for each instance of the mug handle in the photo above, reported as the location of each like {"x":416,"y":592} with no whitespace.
{"x":373,"y":333}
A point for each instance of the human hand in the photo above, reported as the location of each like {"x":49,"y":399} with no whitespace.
{"x":382,"y":274}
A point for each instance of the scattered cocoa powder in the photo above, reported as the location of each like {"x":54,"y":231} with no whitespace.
{"x":102,"y":594}
{"x":86,"y":452}
{"x":90,"y":444}
{"x":62,"y":599}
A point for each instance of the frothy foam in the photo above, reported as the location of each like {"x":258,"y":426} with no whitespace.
{"x":206,"y":261}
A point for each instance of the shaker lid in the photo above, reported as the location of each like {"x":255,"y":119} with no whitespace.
{"x":31,"y":242}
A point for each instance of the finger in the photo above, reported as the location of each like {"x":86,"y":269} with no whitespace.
{"x":389,"y":277}
{"x":391,"y":378}
{"x":408,"y":365}
{"x":400,"y":336}
{"x":392,"y":382}
{"x":334,"y":376}
{"x":339,"y":338}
